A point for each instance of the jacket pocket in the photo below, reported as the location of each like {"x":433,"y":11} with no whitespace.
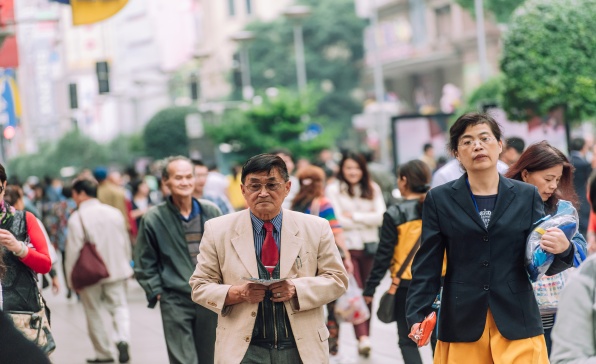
{"x":323,"y":333}
{"x":520,"y":285}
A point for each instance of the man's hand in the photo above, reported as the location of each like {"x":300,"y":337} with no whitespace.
{"x":554,"y":241}
{"x":282,"y":291}
{"x":247,"y":292}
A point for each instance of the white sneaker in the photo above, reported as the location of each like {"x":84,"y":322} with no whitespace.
{"x":364,"y":346}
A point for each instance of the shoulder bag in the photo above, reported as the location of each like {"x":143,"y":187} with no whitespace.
{"x":90,"y":267}
{"x":386,"y":311}
{"x":22,"y":299}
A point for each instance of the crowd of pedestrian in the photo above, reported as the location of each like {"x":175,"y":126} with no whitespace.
{"x":247,"y":268}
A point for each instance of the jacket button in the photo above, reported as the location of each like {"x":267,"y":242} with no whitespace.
{"x":247,"y":339}
{"x":253,"y":314}
{"x":485,"y":263}
{"x":485,"y":238}
{"x":486,"y":287}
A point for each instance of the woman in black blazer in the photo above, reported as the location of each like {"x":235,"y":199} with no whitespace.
{"x":481,"y":221}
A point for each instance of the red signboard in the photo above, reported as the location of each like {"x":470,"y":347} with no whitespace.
{"x":9,"y":55}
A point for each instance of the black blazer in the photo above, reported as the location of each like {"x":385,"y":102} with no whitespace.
{"x":485,"y":267}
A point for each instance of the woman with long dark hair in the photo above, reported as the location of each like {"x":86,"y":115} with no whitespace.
{"x":310,"y":199}
{"x":400,"y":233}
{"x":547,"y":168}
{"x":481,"y":222}
{"x":359,"y":207}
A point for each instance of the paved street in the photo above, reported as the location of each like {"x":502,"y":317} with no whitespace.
{"x":148,"y":345}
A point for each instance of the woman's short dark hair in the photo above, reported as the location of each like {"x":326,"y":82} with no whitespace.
{"x":541,"y":156}
{"x":365,"y":183}
{"x":418,"y":175}
{"x":3,"y":177}
{"x":471,"y":119}
{"x":86,"y":185}
{"x":265,"y":163}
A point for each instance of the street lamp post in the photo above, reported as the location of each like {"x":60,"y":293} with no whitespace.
{"x":297,"y":13}
{"x":243,"y":38}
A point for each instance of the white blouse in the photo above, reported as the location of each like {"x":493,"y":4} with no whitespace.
{"x":367,"y":215}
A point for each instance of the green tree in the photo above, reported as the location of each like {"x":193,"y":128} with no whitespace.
{"x":333,"y":45}
{"x":74,"y":149}
{"x":165,"y":134}
{"x":280,"y":121}
{"x":549,"y":58}
{"x":501,"y":9}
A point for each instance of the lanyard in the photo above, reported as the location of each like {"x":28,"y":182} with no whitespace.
{"x":473,"y":198}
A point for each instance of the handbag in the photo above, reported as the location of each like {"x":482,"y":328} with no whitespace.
{"x":36,"y":327}
{"x":351,"y":307}
{"x":386,"y":310}
{"x":90,"y":267}
{"x":425,"y":330}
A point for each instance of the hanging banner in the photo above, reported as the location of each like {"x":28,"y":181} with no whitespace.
{"x":93,"y":11}
{"x":9,"y":55}
{"x":10,"y":104}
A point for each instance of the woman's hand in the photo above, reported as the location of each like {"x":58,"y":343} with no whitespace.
{"x":368,"y":299}
{"x":415,"y":333}
{"x":9,"y":241}
{"x":349,"y":265}
{"x":347,"y":214}
{"x":554,"y":241}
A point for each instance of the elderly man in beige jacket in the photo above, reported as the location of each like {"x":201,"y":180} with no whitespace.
{"x":105,"y":227}
{"x":280,"y":323}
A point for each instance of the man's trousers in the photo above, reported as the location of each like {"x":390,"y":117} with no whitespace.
{"x":187,"y":325}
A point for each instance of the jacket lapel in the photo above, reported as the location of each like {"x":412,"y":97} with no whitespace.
{"x":244,"y":245}
{"x":462,"y":196}
{"x":504,"y":199}
{"x":290,"y":244}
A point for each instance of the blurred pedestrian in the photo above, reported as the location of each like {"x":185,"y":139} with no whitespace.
{"x":481,"y":222}
{"x":141,"y":200}
{"x":295,"y":186}
{"x":169,"y":238}
{"x":111,"y":193}
{"x":400,"y":234}
{"x":282,"y":322}
{"x":311,"y":199}
{"x":514,"y":147}
{"x":104,"y":226}
{"x":547,"y":168}
{"x":573,"y":333}
{"x":578,"y":149}
{"x":359,"y":207}
{"x":201,"y":173}
{"x":428,"y":156}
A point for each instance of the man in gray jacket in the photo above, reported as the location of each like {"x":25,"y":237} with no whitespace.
{"x":165,"y":257}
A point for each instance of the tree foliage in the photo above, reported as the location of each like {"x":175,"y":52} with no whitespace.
{"x":549,"y":58}
{"x":165,"y":134}
{"x":333,"y":45}
{"x":280,"y":121}
{"x":501,"y":9}
{"x":489,"y":93}
{"x":74,"y":149}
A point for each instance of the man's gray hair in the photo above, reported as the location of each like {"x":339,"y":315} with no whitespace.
{"x":165,"y":174}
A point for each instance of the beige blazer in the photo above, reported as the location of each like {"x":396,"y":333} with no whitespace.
{"x":308,"y":251}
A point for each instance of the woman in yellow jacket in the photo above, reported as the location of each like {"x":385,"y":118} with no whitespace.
{"x":401,"y":229}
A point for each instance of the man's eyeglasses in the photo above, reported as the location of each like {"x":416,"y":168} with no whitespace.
{"x":468,"y":143}
{"x":257,"y":187}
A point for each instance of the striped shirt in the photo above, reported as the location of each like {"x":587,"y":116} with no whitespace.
{"x":326,"y":212}
{"x":259,"y":232}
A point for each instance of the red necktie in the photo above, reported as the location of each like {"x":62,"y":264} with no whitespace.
{"x":269,"y":251}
